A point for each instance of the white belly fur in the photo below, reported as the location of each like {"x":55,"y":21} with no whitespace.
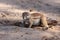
{"x":36,"y":21}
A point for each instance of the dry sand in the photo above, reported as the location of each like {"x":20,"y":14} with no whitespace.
{"x":11,"y":11}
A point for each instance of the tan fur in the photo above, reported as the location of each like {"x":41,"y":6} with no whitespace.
{"x":35,"y":16}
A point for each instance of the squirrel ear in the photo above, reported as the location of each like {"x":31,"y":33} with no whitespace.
{"x":30,"y":10}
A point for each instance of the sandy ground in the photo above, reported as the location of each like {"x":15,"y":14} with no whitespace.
{"x":19,"y":33}
{"x":11,"y":11}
